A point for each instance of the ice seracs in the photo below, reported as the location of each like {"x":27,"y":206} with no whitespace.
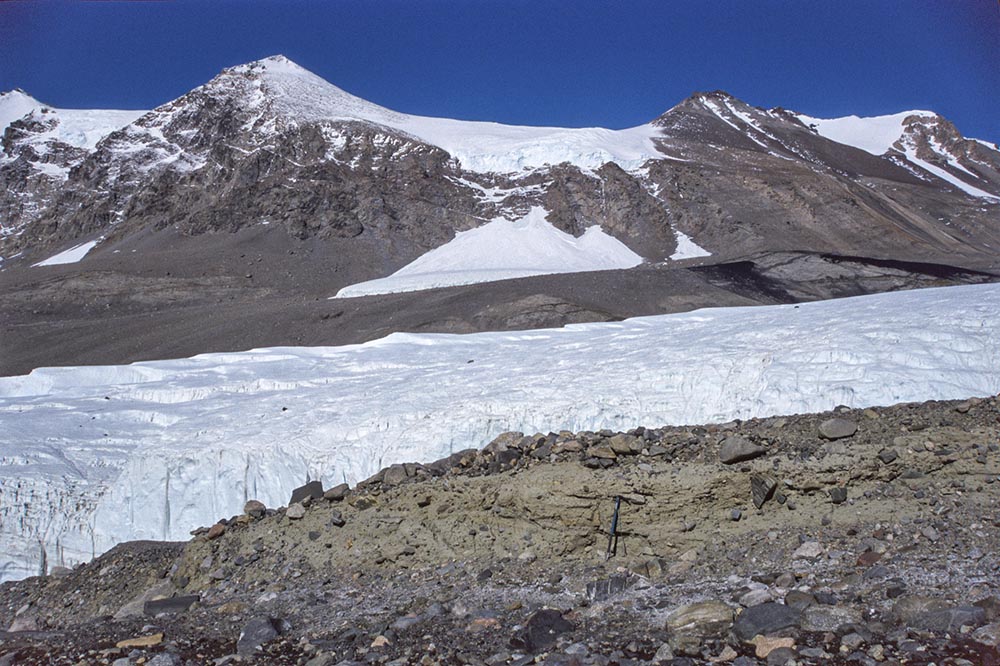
{"x":92,"y":456}
{"x":501,"y":250}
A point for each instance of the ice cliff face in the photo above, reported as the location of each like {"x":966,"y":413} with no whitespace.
{"x":97,"y":455}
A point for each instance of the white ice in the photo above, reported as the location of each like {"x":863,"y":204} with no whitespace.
{"x":502,"y":250}
{"x":92,"y":456}
{"x":70,"y":256}
{"x":687,"y":248}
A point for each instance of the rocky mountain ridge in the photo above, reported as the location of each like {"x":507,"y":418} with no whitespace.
{"x":269,"y":142}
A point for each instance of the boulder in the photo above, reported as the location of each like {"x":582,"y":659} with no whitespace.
{"x":837,"y":428}
{"x":254,"y":509}
{"x":337,"y":493}
{"x":602,"y":589}
{"x":703,"y":619}
{"x":295,"y":511}
{"x":541,"y":631}
{"x":821,"y":618}
{"x":762,"y":487}
{"x":765,"y":619}
{"x":257,"y":631}
{"x":737,"y":449}
{"x":312,"y":490}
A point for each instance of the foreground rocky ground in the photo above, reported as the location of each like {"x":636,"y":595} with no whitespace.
{"x":859,"y":536}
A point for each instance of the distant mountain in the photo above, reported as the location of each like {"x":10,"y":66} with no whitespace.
{"x":269,"y":180}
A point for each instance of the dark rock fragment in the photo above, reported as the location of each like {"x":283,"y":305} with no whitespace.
{"x":736,"y":449}
{"x":312,"y":490}
{"x":171,"y":605}
{"x":765,"y":619}
{"x":837,"y":428}
{"x":541,"y":631}
{"x":762,"y":488}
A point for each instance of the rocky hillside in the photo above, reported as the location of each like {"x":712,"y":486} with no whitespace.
{"x":858,"y":536}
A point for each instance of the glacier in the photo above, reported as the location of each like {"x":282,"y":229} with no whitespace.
{"x":93,"y":456}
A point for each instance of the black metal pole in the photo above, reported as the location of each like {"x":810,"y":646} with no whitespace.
{"x":613,"y":535}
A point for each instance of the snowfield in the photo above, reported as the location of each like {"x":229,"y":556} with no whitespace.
{"x":881,"y":135}
{"x":92,"y":456}
{"x":501,"y":250}
{"x":70,"y":256}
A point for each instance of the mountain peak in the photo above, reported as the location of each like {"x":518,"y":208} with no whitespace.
{"x":276,"y":64}
{"x":300,"y":94}
{"x":14,"y":105}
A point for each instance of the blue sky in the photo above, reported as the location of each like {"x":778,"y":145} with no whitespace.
{"x":571,"y":63}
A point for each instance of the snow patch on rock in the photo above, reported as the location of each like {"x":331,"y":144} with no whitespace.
{"x":502,"y":250}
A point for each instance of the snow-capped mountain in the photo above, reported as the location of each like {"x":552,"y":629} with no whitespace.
{"x":270,"y":183}
{"x":91,"y":456}
{"x":269,"y":142}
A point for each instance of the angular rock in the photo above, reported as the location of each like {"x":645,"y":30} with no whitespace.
{"x":837,"y":428}
{"x":950,"y":619}
{"x":337,"y":519}
{"x":838,"y":495}
{"x":800,"y":600}
{"x":215,"y":531}
{"x":601,"y":453}
{"x":312,"y":490}
{"x":765,"y":645}
{"x":762,"y":487}
{"x":254,"y":509}
{"x":165,"y":659}
{"x":503,"y":442}
{"x":908,"y":608}
{"x":703,"y":619}
{"x":170,"y":605}
{"x":24,"y":623}
{"x":992,"y":607}
{"x":988,"y":635}
{"x":394,"y":475}
{"x":887,"y":456}
{"x":255,"y":633}
{"x":295,"y":511}
{"x":765,"y":619}
{"x":810,"y":550}
{"x":541,"y":631}
{"x":602,"y":589}
{"x":625,"y":445}
{"x":737,"y":449}
{"x":828,"y":618}
{"x":337,"y":493}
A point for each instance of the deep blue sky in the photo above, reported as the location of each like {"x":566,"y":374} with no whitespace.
{"x":572,"y":63}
